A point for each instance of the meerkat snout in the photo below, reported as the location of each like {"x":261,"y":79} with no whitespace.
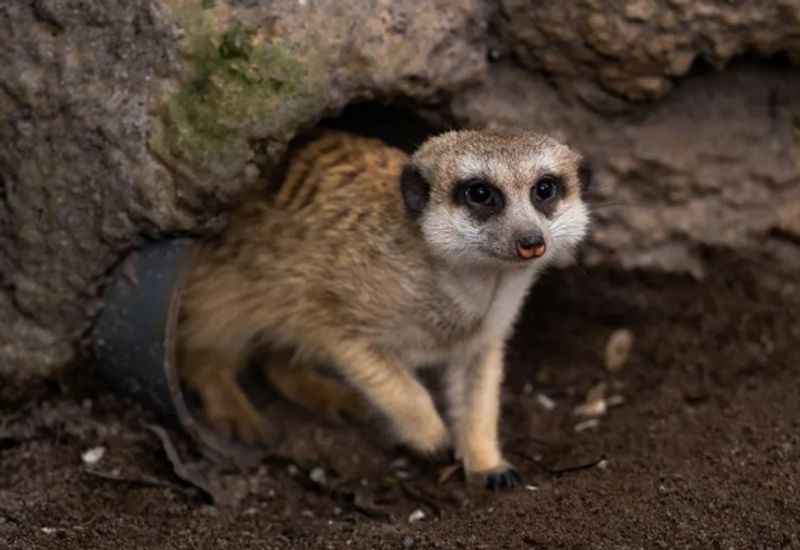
{"x":531,"y":246}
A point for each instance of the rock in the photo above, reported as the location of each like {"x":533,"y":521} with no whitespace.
{"x":92,"y":456}
{"x":416,"y":515}
{"x":618,"y":349}
{"x":646,"y":43}
{"x":317,"y":475}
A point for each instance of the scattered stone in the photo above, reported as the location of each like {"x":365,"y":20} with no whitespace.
{"x":92,"y":456}
{"x":416,"y":515}
{"x":615,"y":400}
{"x":595,"y":404}
{"x":318,"y":476}
{"x":532,"y":488}
{"x":408,"y":541}
{"x":603,"y":464}
{"x":49,"y":530}
{"x":618,"y":349}
{"x":590,"y":424}
{"x":293,"y":470}
{"x":545,"y":402}
{"x":527,"y":389}
{"x":399,"y":463}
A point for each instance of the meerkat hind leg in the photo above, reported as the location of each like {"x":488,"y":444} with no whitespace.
{"x":226,"y":407}
{"x":300,"y":381}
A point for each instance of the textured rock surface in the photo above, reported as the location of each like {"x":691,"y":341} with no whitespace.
{"x":125,"y":120}
{"x":637,"y":48}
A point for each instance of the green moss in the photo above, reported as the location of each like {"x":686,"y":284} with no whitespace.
{"x":238,"y":90}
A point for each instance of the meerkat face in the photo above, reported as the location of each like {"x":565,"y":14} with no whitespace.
{"x":497,"y":200}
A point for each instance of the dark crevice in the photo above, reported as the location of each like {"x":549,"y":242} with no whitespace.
{"x":395,"y":124}
{"x":702,"y":66}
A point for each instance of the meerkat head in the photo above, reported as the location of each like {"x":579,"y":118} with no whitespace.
{"x":497,"y":200}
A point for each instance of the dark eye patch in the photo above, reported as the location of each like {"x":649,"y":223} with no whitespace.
{"x":482,"y":199}
{"x":545,"y":192}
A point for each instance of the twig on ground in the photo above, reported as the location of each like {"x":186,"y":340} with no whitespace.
{"x":558,"y":472}
{"x":178,"y":466}
{"x":139,"y":480}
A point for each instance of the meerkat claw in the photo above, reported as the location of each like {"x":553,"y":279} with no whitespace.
{"x":507,"y":479}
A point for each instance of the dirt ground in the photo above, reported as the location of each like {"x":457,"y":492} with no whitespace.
{"x":701,"y":448}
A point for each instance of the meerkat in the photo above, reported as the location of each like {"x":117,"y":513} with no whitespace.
{"x":377,"y":263}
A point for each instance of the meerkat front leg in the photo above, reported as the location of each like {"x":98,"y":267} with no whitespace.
{"x":396,"y":393}
{"x":473,"y":393}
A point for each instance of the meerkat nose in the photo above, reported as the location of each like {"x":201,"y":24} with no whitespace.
{"x":531,"y":247}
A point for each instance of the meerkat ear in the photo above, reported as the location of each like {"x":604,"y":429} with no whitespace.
{"x":585,"y":174}
{"x":416,"y":191}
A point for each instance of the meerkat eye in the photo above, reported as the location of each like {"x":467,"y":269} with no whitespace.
{"x":479,"y":193}
{"x":546,"y":189}
{"x":482,"y":199}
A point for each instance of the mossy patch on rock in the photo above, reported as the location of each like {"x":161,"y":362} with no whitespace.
{"x":241,"y":87}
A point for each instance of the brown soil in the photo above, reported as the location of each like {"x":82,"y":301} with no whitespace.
{"x":704,"y":452}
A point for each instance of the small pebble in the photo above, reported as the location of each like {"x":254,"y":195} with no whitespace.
{"x":293,"y":470}
{"x":595,"y":404}
{"x":318,"y":476}
{"x":92,"y":456}
{"x":618,"y":349}
{"x":545,"y":402}
{"x":49,"y":530}
{"x":416,"y":515}
{"x":531,"y":488}
{"x":527,"y":389}
{"x":592,"y":409}
{"x":589,"y":424}
{"x":615,"y":400}
{"x":408,"y":541}
{"x":399,"y":463}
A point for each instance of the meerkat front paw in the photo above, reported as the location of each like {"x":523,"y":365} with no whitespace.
{"x":501,"y":477}
{"x":506,"y":477}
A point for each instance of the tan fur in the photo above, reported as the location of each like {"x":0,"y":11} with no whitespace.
{"x":334,"y":271}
